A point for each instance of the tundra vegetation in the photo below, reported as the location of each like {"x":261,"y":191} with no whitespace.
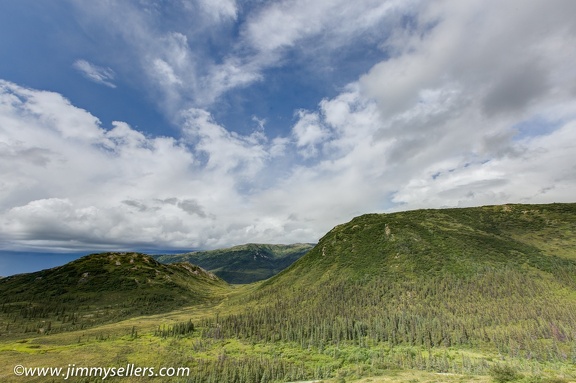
{"x":483,"y":294}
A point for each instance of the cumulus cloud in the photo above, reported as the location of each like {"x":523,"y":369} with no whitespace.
{"x":309,"y":133}
{"x":70,"y":183}
{"x":544,"y":172}
{"x":77,"y":176}
{"x":474,"y":104}
{"x":95,"y":73}
{"x":442,"y":126}
{"x":226,"y":152}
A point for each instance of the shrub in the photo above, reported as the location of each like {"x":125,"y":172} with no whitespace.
{"x":503,"y":373}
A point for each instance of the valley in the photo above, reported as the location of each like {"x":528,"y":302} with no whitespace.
{"x":244,"y":263}
{"x":483,"y":294}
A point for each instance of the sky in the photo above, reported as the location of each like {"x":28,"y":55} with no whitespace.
{"x":201,"y":124}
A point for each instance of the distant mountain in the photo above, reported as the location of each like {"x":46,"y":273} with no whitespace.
{"x":102,"y":287}
{"x":245,"y":263}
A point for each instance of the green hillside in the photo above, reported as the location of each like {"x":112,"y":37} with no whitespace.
{"x":495,"y":280}
{"x":456,"y":242}
{"x":99,"y":288}
{"x":245,"y":263}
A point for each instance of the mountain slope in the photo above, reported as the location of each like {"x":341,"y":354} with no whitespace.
{"x":500,"y":278}
{"x":102,"y":287}
{"x":245,"y":263}
{"x":423,"y":243}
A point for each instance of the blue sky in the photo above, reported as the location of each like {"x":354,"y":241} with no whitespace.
{"x":159,"y":125}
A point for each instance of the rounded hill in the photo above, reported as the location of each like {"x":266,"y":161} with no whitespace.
{"x":425,"y":243}
{"x":102,"y":287}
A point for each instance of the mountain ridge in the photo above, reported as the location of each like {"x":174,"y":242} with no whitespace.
{"x":242,"y":264}
{"x":505,"y":229}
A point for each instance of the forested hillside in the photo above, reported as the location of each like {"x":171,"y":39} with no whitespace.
{"x":497,"y":279}
{"x":100,"y":288}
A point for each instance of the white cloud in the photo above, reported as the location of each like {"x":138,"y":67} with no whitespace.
{"x":437,"y":123}
{"x":309,"y":133}
{"x":69,"y":183}
{"x":226,"y":152}
{"x":442,"y":130}
{"x":165,"y":73}
{"x":74,"y":175}
{"x":284,"y":24}
{"x":219,"y":9}
{"x":54,"y":112}
{"x":544,"y":172}
{"x":182,"y":71}
{"x":95,"y":73}
{"x":474,"y":105}
{"x":501,"y":53}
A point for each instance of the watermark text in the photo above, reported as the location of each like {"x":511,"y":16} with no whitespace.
{"x":129,"y":370}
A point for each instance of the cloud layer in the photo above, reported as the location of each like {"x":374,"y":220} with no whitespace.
{"x":474,"y":104}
